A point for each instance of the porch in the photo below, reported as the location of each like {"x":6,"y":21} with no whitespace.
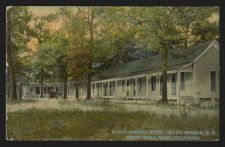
{"x":145,"y":87}
{"x":34,"y":90}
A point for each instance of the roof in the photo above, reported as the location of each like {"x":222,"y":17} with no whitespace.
{"x":154,"y":63}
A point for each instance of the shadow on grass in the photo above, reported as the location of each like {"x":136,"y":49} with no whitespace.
{"x":36,"y":124}
{"x":21,"y":101}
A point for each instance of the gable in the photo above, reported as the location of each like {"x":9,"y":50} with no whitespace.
{"x":209,"y":57}
{"x":213,"y":46}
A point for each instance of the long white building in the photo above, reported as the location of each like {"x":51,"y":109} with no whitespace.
{"x":192,"y":76}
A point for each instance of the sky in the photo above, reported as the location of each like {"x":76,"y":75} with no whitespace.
{"x":45,"y":10}
{"x":42,"y":10}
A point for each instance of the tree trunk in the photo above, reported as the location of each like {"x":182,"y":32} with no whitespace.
{"x":164,"y":73}
{"x":11,"y":75}
{"x":164,"y":88}
{"x":12,"y":83}
{"x":77,"y":91}
{"x":20,"y":97}
{"x":65,"y":89}
{"x":89,"y":86}
{"x":7,"y":81}
{"x":90,"y":60}
{"x":12,"y":80}
{"x":42,"y":82}
{"x":42,"y":89}
{"x":187,"y":36}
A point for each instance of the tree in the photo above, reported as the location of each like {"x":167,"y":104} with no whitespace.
{"x":89,"y":16}
{"x":51,"y":59}
{"x":159,"y":25}
{"x":104,"y":37}
{"x":41,"y":66}
{"x":41,"y":33}
{"x":61,"y":59}
{"x":86,"y":41}
{"x":75,"y":52}
{"x":18,"y":34}
{"x":162,"y":27}
{"x":119,"y":36}
{"x":195,"y":26}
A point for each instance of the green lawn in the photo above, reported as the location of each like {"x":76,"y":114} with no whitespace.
{"x":37,"y":124}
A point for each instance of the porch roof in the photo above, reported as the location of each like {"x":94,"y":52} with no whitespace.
{"x":153,"y":64}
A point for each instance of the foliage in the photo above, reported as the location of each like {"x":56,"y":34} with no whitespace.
{"x":120,"y":34}
{"x":18,"y":34}
{"x":92,"y":39}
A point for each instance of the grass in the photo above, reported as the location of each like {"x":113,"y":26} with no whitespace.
{"x":37,"y":124}
{"x":9,"y":101}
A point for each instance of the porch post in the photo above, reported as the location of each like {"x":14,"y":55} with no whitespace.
{"x":135,"y":86}
{"x":44,"y":90}
{"x":68,"y":91}
{"x":40,"y":91}
{"x":102,"y":89}
{"x":147,"y":85}
{"x":96,"y":90}
{"x":194,"y":80}
{"x":116,"y":88}
{"x":92,"y":89}
{"x":108,"y":87}
{"x":125,"y":87}
{"x":81,"y":88}
{"x":74,"y":90}
{"x":178,"y":101}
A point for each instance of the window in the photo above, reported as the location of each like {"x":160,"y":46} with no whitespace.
{"x":45,"y":90}
{"x":85,"y":87}
{"x":48,"y":89}
{"x":93,"y":88}
{"x":31,"y":89}
{"x":139,"y":84}
{"x":134,"y":87}
{"x":161,"y":84}
{"x":182,"y":82}
{"x":173,"y":84}
{"x":110,"y":89}
{"x":213,"y":80}
{"x":114,"y":87}
{"x":97,"y":86}
{"x":37,"y":90}
{"x":81,"y":85}
{"x":105,"y":89}
{"x":122,"y":85}
{"x":153,"y":83}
